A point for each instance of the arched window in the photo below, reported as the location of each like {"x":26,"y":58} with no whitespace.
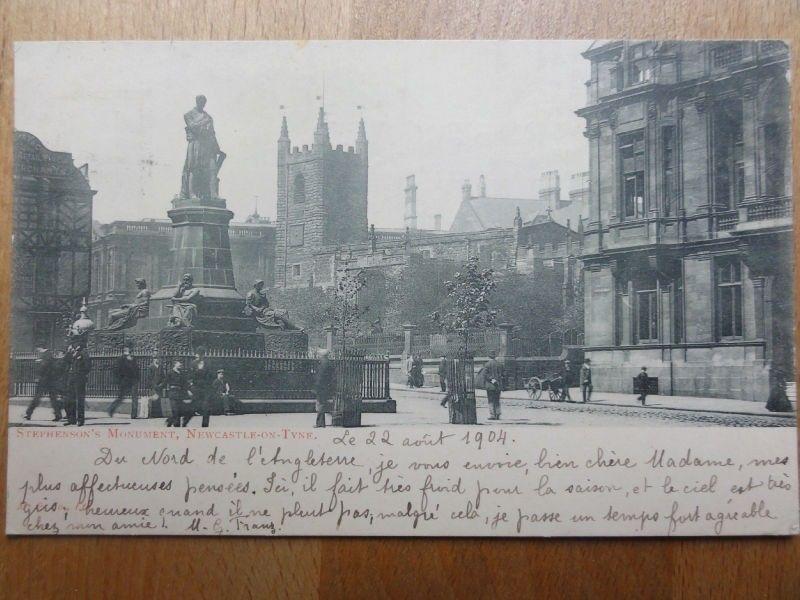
{"x":299,"y":190}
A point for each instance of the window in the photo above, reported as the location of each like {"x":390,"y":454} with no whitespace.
{"x":296,"y":271}
{"x":668,"y":167}
{"x":774,"y":153}
{"x":299,"y":189}
{"x":631,"y":165}
{"x":639,"y":70}
{"x":677,"y":317}
{"x":617,"y":75}
{"x":728,"y":154}
{"x":647,"y":316}
{"x":727,"y":54}
{"x":729,"y":297}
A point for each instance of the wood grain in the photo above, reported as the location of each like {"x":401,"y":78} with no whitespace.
{"x":356,"y":568}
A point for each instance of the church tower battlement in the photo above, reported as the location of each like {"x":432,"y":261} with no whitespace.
{"x":322,"y":202}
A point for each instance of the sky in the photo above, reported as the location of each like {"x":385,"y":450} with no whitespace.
{"x":443,"y":111}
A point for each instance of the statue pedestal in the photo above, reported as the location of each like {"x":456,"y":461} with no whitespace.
{"x":201,"y":246}
{"x":183,"y":341}
{"x":201,"y":249}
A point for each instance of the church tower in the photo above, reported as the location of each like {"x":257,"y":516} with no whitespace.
{"x":322,"y":203}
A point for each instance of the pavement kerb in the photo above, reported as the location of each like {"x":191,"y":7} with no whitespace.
{"x":437,"y":392}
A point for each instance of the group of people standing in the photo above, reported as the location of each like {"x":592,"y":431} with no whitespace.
{"x":62,"y":378}
{"x":414,"y":375}
{"x":196,"y":390}
{"x":181,"y":392}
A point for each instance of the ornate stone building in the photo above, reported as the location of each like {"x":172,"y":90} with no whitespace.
{"x":125,"y":250}
{"x":51,"y":242}
{"x":687,"y":247}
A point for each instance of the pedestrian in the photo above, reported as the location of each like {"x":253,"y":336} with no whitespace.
{"x":127,"y":372}
{"x":492,"y":377}
{"x":202,"y":387}
{"x":222,"y":392}
{"x":778,"y":401}
{"x":156,"y":378}
{"x":77,"y":365}
{"x":586,"y":380}
{"x":642,"y":379}
{"x":46,"y":384}
{"x":410,"y":371}
{"x":176,"y":385}
{"x":323,"y":386}
{"x":566,"y":381}
{"x":417,"y":377}
{"x":443,"y":373}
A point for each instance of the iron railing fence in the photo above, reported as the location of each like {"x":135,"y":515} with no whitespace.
{"x":252,"y":375}
{"x":382,"y":344}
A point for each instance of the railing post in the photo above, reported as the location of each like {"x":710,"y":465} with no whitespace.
{"x":329,"y":338}
{"x":408,"y":330}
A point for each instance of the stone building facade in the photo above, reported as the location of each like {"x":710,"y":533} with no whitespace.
{"x":52,"y":238}
{"x":688,"y":242}
{"x":321,"y":202}
{"x":125,"y":250}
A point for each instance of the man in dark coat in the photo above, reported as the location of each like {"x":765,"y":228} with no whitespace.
{"x":642,"y":380}
{"x":778,"y":400}
{"x":77,"y":365}
{"x":418,"y":378}
{"x":443,"y":373}
{"x":566,"y":381}
{"x":324,"y":384}
{"x":156,"y":378}
{"x":46,"y":384}
{"x":223,"y":395}
{"x":202,"y":378}
{"x":176,"y":386}
{"x":127,"y":371}
{"x":586,"y":380}
{"x":492,"y":375}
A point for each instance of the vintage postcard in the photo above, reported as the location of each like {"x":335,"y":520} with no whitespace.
{"x":466,"y":288}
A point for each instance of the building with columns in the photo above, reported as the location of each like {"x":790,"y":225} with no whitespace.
{"x":688,"y":241}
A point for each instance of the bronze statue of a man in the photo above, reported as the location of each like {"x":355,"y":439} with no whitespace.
{"x":256,"y":306}
{"x":203,"y":156}
{"x":128,"y":314}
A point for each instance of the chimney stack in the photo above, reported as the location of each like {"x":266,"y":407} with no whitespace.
{"x":437,"y":222}
{"x":411,"y":203}
{"x":483,"y":186}
{"x":466,"y":190}
{"x":579,"y":190}
{"x":550,"y":190}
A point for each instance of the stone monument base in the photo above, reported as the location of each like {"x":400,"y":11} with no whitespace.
{"x":184,"y":341}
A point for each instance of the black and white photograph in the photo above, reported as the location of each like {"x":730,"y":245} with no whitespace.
{"x":584,"y":235}
{"x":517,"y":239}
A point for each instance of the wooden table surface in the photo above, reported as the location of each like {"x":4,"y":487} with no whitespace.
{"x":377,"y":568}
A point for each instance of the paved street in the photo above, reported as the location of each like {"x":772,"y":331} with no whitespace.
{"x":422,"y":407}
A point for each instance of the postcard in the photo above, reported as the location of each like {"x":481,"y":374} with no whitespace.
{"x":402,"y":288}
